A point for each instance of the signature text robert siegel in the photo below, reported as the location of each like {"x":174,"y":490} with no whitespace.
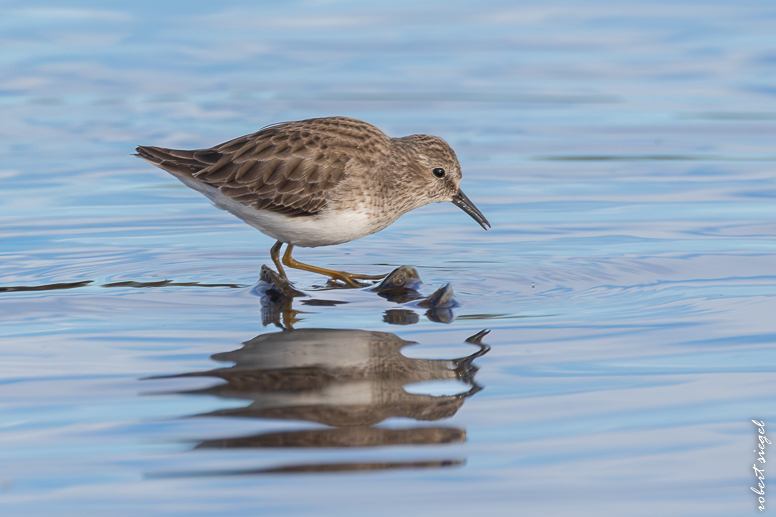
{"x":760,"y":473}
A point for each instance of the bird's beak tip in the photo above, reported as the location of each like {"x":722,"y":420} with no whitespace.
{"x":465,"y":204}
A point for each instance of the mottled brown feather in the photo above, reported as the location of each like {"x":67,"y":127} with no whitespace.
{"x":286,"y":168}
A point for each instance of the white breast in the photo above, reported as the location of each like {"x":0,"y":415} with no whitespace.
{"x":324,"y":229}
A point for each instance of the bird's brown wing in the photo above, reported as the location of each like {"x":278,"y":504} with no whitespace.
{"x":286,"y":168}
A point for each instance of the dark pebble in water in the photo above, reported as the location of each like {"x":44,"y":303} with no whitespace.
{"x":443,"y":298}
{"x":400,"y":286}
{"x":403,"y":277}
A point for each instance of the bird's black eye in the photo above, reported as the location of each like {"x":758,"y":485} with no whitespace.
{"x":439,"y":172}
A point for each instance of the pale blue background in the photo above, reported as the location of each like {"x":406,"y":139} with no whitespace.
{"x":623,"y":151}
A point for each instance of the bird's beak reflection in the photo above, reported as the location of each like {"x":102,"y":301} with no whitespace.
{"x":467,"y":206}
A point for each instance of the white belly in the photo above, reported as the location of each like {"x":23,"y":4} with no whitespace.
{"x":324,"y":229}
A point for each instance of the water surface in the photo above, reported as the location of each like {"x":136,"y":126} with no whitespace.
{"x":624,"y":154}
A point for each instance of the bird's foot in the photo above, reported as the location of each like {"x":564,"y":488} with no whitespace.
{"x":350,"y":279}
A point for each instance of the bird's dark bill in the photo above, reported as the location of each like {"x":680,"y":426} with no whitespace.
{"x":467,"y":206}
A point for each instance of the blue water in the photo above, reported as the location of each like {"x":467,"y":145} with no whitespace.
{"x":625,"y":154}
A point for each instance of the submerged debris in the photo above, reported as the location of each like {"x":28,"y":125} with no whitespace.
{"x":277,"y":297}
{"x":274,"y":286}
{"x":440,"y":305}
{"x":443,"y":298}
{"x":401,"y":285}
{"x":406,"y":277}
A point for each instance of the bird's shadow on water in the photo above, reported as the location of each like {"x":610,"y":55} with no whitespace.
{"x":349,"y":381}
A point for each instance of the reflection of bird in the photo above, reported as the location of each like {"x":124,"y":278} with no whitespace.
{"x":336,"y":377}
{"x":320,"y":182}
{"x":349,"y":380}
{"x":355,"y":436}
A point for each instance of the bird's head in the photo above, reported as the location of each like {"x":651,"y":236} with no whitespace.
{"x":435,"y":170}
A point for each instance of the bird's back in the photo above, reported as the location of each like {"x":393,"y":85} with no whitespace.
{"x":286,"y":168}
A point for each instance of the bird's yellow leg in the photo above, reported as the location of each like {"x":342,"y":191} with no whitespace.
{"x":274,"y":252}
{"x":348,"y":278}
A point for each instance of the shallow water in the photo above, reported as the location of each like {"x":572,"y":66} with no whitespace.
{"x":624,"y":155}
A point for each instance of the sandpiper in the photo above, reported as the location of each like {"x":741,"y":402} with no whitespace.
{"x":320,"y":182}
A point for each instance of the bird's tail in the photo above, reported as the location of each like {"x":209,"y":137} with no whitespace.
{"x":178,"y":162}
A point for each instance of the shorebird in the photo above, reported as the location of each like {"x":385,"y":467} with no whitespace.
{"x":320,"y":182}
